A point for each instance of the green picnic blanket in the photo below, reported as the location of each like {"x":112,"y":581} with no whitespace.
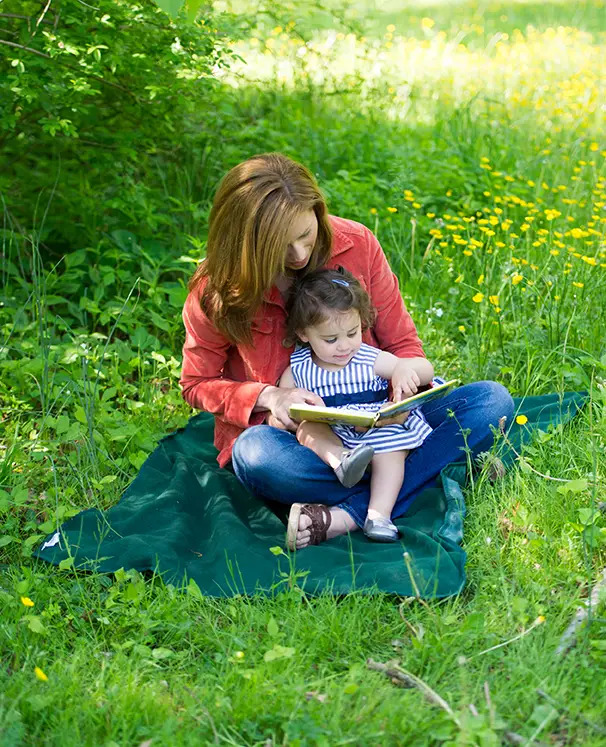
{"x":185,"y":518}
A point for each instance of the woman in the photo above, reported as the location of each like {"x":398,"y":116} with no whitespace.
{"x":268,"y":224}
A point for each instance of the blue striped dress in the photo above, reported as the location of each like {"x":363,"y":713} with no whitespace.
{"x":359,"y":377}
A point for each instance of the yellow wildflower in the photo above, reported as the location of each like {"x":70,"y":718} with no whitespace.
{"x":26,"y":602}
{"x":521,"y":419}
{"x":392,"y":210}
{"x":517,"y":278}
{"x":478,"y":298}
{"x":40,"y":674}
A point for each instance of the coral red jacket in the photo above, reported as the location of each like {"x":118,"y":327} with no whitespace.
{"x":226,"y":379}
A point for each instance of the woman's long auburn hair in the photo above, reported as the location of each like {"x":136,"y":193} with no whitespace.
{"x":253,"y":210}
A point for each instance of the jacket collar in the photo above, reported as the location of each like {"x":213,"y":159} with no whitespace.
{"x":340,"y":241}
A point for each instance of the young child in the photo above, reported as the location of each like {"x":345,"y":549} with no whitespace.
{"x":327,"y":312}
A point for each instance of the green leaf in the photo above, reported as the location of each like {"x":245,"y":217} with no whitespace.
{"x":66,"y":564}
{"x":272,"y":627}
{"x":34,"y":623}
{"x":588,"y":515}
{"x":524,"y":466}
{"x":19,"y":496}
{"x":573,"y":486}
{"x":107,"y":479}
{"x":62,"y":424}
{"x":162,"y":653}
{"x":137,"y":459}
{"x":80,"y":414}
{"x":278,"y":652}
{"x":193,"y":6}
{"x":543,"y":714}
{"x":194,"y":590}
{"x":172,"y":7}
{"x":6,"y":540}
{"x":276,"y":550}
{"x":33,"y":539}
{"x":133,"y":592}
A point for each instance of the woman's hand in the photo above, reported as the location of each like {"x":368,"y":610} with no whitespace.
{"x":405,"y":381}
{"x":278,"y":401}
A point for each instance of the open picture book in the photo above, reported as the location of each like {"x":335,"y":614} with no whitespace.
{"x":369,"y":419}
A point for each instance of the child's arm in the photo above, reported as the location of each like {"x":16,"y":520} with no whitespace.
{"x":406,"y":374}
{"x":287,"y":380}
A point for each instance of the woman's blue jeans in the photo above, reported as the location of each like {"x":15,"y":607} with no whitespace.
{"x":272,"y":463}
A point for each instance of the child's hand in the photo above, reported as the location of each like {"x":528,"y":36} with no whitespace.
{"x":405,"y":381}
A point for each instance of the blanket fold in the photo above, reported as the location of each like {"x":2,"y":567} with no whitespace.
{"x":184,"y":517}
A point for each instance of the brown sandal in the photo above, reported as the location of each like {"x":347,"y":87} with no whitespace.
{"x":320,"y":521}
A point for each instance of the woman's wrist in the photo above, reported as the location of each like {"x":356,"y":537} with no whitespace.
{"x":265,"y":398}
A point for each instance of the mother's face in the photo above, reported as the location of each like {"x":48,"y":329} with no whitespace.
{"x":301,"y":239}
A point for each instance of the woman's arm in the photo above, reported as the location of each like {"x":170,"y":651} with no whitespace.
{"x":242,"y":403}
{"x":202,"y":383}
{"x":394,"y":329}
{"x":277,"y":401}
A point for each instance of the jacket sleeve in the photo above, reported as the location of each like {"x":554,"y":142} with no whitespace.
{"x":394,"y":329}
{"x":202,"y":382}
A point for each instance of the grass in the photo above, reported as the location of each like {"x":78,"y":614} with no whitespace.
{"x":480,"y":164}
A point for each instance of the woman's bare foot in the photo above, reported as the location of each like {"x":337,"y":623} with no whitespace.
{"x":341,"y":523}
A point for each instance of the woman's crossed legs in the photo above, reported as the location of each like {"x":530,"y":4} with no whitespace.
{"x":272,"y":464}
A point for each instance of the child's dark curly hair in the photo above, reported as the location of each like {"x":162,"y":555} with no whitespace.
{"x":316,"y":295}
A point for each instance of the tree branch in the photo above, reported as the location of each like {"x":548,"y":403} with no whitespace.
{"x":71,"y":67}
{"x":568,"y":639}
{"x":39,"y":21}
{"x":19,"y":17}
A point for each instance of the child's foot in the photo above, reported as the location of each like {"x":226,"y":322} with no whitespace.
{"x":310,"y":524}
{"x":354,"y":464}
{"x":379,"y":528}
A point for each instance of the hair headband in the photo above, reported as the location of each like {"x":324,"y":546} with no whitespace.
{"x":340,"y":282}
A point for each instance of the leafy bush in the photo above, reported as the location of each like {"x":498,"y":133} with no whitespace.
{"x":97,"y":103}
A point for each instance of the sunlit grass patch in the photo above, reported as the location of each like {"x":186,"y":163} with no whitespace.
{"x":550,"y":78}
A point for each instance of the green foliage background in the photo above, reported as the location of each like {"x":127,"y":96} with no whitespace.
{"x":469,"y":137}
{"x":94,"y":100}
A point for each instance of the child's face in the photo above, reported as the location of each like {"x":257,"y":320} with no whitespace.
{"x":336,"y":340}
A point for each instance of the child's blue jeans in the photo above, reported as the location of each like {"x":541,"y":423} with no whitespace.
{"x":272,"y":463}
